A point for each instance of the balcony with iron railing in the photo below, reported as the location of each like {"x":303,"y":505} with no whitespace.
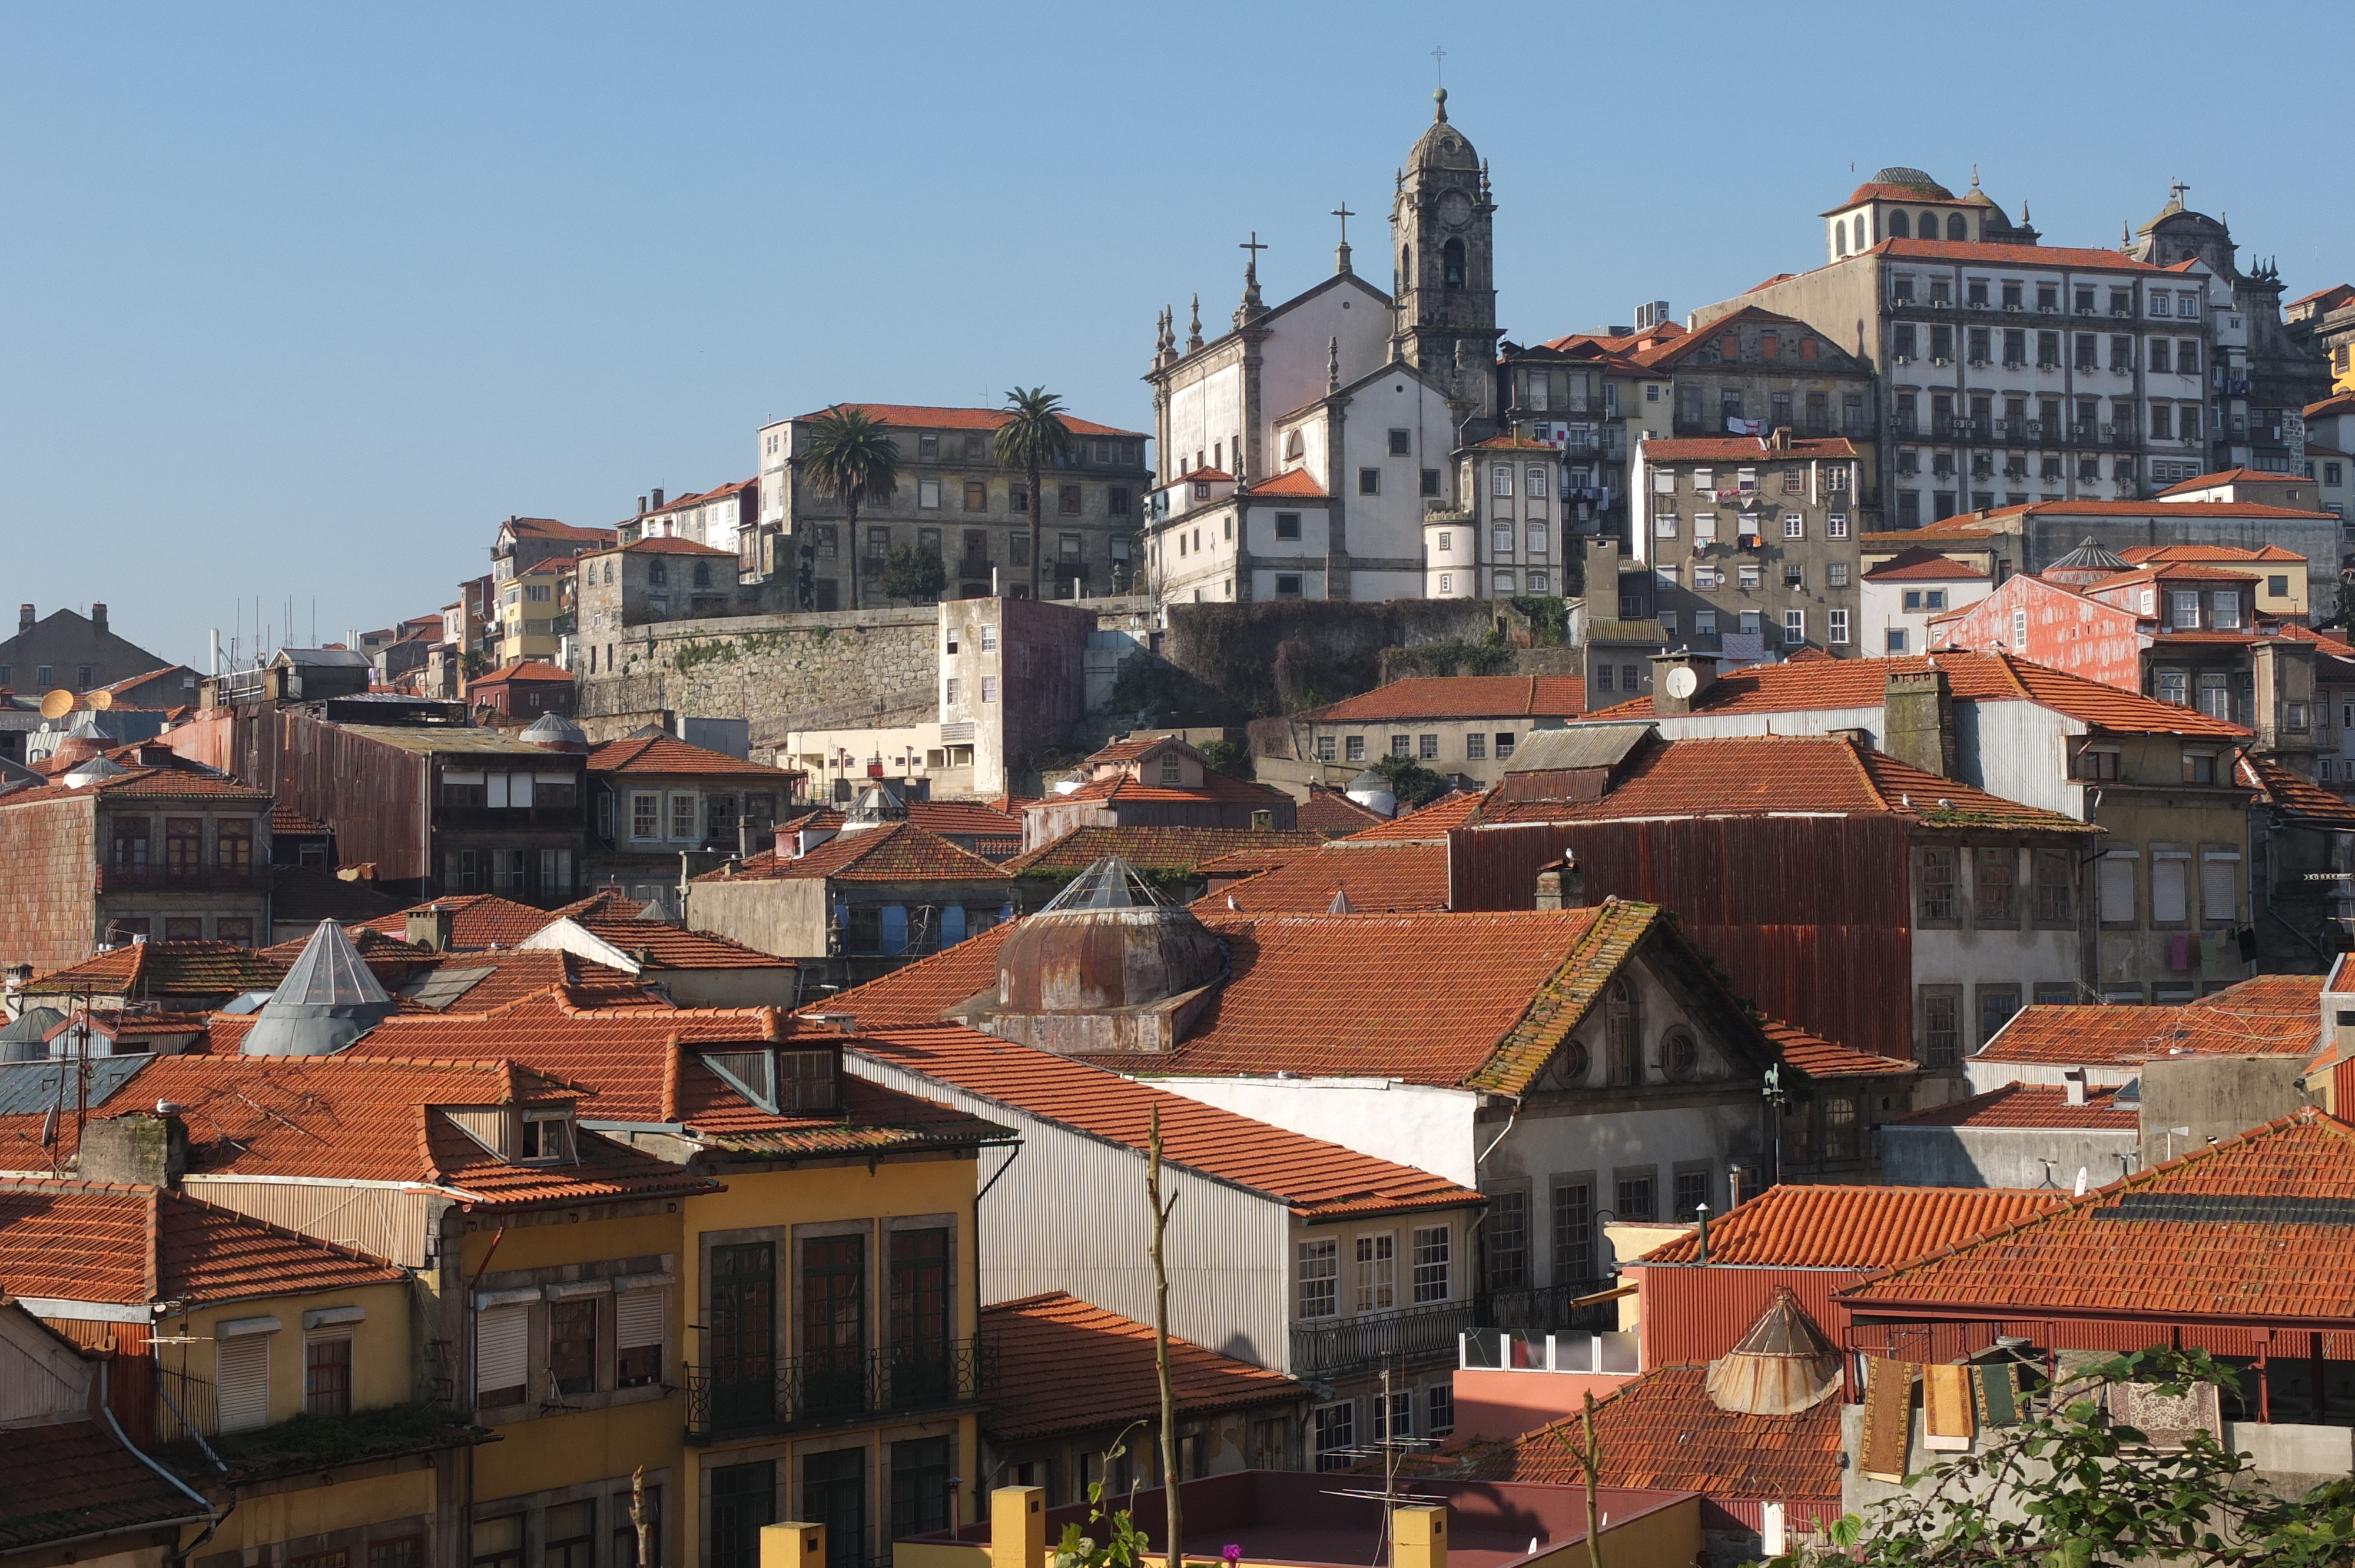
{"x":158,"y":877}
{"x":836,"y":1388}
{"x":1371,"y":1341}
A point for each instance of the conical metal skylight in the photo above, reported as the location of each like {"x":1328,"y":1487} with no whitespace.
{"x":330,"y":973}
{"x":1109,"y":884}
{"x":327,"y":1000}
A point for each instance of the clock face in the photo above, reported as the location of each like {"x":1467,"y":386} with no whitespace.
{"x":1454,"y":209}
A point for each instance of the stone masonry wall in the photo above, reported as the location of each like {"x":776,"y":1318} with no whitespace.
{"x":780,"y":673}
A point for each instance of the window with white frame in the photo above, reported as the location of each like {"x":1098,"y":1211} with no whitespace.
{"x":1320,"y":1277}
{"x":684,"y":814}
{"x":1335,"y":1430}
{"x":1378,"y":1272}
{"x":645,"y":815}
{"x":1835,"y":526}
{"x":990,"y":688}
{"x":1795,"y":526}
{"x":1795,"y":625}
{"x":1500,"y":479}
{"x":1431,"y":1257}
{"x":1839,"y":629}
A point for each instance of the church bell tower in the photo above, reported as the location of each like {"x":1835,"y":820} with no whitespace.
{"x":1443,"y":240}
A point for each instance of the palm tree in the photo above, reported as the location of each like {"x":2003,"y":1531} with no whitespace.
{"x":851,"y":458}
{"x":1034,"y":437}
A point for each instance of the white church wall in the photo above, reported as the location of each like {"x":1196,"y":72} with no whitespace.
{"x":1316,"y":531}
{"x":1204,"y":415}
{"x":1296,"y":359}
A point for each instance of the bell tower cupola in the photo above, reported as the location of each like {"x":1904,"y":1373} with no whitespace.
{"x":1443,"y":236}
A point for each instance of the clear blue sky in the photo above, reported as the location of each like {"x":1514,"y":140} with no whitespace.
{"x":301,"y":301}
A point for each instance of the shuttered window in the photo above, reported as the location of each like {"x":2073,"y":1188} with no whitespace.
{"x":2219,"y":887}
{"x":638,"y":1318}
{"x":2169,"y":876}
{"x":502,"y":1351}
{"x":241,"y":1381}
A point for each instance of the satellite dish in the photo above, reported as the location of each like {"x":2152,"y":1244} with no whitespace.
{"x":101,"y":700}
{"x":1682,"y":681}
{"x":58,"y":703}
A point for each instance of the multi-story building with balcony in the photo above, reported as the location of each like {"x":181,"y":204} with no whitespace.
{"x":1751,"y":542}
{"x":955,"y":500}
{"x":2010,"y":372}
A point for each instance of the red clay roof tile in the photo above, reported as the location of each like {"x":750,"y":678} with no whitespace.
{"x":1841,"y":1226}
{"x":1159,"y":851}
{"x":2128,"y":1036}
{"x":1459,"y":696}
{"x":1376,"y":879}
{"x":2027,"y":1106}
{"x":896,"y":851}
{"x":661,"y":754}
{"x":1068,"y":1366}
{"x":72,"y":1480}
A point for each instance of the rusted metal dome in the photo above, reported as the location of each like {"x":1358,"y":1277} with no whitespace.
{"x":1105,"y":943}
{"x":1783,"y":1365}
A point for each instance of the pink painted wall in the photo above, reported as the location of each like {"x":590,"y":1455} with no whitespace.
{"x":1507,"y":1403}
{"x":2066,"y":630}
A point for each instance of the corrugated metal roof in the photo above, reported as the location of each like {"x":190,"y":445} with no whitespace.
{"x":30,"y":1088}
{"x":1584,"y":746}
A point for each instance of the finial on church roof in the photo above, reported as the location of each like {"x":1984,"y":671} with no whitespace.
{"x":1974,"y":176}
{"x":1341,"y":252}
{"x":1252,"y":309}
{"x":2126,"y":234}
{"x":1332,"y":364}
{"x":1439,"y":112}
{"x":1194,"y":327}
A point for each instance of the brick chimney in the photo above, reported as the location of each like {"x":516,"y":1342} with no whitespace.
{"x":24,"y":617}
{"x":1917,"y":721}
{"x":1666,"y":700}
{"x":98,"y":617}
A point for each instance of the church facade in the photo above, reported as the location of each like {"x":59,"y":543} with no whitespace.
{"x":1301,"y":450}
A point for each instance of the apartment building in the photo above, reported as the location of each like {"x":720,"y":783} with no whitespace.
{"x":1751,"y":542}
{"x":955,"y":500}
{"x":2010,"y":371}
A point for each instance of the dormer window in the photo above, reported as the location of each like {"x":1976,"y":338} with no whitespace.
{"x":785,"y":1082}
{"x":547,"y":1139}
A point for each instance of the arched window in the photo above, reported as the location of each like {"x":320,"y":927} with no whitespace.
{"x":1956,"y":227}
{"x":1291,"y":445}
{"x":1897,"y":229}
{"x":1452,"y":264}
{"x":1621,"y":1037}
{"x":1571,"y":1064}
{"x":1928,"y":227}
{"x":1840,"y":236}
{"x":1406,"y":266}
{"x":1679,"y":1055}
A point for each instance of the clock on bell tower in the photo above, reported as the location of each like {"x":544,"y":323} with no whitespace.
{"x":1443,"y":236}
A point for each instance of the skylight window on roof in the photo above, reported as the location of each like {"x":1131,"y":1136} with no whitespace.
{"x":547,"y":1139}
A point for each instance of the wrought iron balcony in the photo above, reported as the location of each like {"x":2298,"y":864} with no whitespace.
{"x":834,"y":1388}
{"x":166,"y":878}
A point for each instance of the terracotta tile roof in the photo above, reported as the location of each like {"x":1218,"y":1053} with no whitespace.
{"x":285,"y":821}
{"x":2127,"y":1036}
{"x":2339,"y":403}
{"x":1653,"y":353}
{"x":661,"y":754}
{"x":1770,"y":775}
{"x":1293,"y":483}
{"x":2251,"y":1230}
{"x":1514,"y":442}
{"x":925,"y":418}
{"x":549,"y":528}
{"x":1314,"y":1178}
{"x":1972,"y":677}
{"x":477,"y":921}
{"x":2230,"y":476}
{"x":704,"y":497}
{"x":963,"y":818}
{"x":1163,"y":851}
{"x":1216,"y":787}
{"x":667,"y":544}
{"x":658,"y":944}
{"x":486,"y":980}
{"x":1252,"y":861}
{"x":2172,"y":571}
{"x":1930,"y":567}
{"x":896,"y":851}
{"x":2047,"y":257}
{"x":101,"y":1241}
{"x":1375,"y":879}
{"x":1328,"y":810}
{"x":1662,"y":1430}
{"x":162,"y":969}
{"x":1459,"y":696}
{"x":1428,"y":824}
{"x":2209,"y":553}
{"x":1746,"y":448}
{"x":522,"y":670}
{"x":74,"y":1481}
{"x":1819,"y":1058}
{"x":1205,"y":476}
{"x":2279,"y":787}
{"x":2281,"y":996}
{"x":2028,"y":1106}
{"x":143,"y":783}
{"x":1842,"y":1227}
{"x":1065,"y":1365}
{"x":2238,"y":509}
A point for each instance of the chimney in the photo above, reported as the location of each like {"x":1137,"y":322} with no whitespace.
{"x":149,"y":1148}
{"x":642,"y":506}
{"x":794,"y":1545}
{"x":98,"y":617}
{"x":1678,"y":679}
{"x":431,"y":929}
{"x":1418,"y":1536}
{"x":2072,"y":1085}
{"x":24,"y":617}
{"x":1917,"y":721}
{"x":659,"y":495}
{"x":1017,"y":1527}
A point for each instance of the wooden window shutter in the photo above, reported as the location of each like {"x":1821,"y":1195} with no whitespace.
{"x":241,"y":1381}
{"x":638,"y":1318}
{"x":502,"y":1347}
